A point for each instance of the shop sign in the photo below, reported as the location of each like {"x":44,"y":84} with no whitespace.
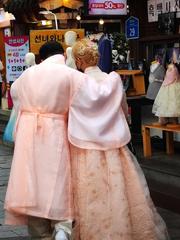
{"x":16,"y":48}
{"x":152,"y":16}
{"x":132,"y":28}
{"x":159,"y":8}
{"x":156,"y":7}
{"x":103,"y":7}
{"x":171,"y":6}
{"x":39,"y":37}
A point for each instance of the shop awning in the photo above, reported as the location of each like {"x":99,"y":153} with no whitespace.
{"x":54,"y":4}
{"x":28,"y":10}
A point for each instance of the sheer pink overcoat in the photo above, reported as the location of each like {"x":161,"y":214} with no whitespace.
{"x":40,"y":177}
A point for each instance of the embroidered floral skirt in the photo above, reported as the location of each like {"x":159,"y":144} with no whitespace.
{"x":111,"y":197}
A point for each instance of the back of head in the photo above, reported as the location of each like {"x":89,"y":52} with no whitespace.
{"x":49,"y":49}
{"x":86,"y":50}
{"x":70,"y":38}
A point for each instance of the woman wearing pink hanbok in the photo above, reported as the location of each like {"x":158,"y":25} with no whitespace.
{"x":111,"y":197}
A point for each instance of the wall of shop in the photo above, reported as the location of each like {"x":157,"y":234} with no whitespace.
{"x":145,"y":47}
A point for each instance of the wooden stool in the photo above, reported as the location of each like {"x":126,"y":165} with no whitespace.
{"x":169,"y":130}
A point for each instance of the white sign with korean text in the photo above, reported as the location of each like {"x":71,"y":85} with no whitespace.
{"x":152,"y":17}
{"x":171,"y":6}
{"x":159,"y":7}
{"x":156,"y":7}
{"x":167,"y":6}
{"x":175,"y":6}
{"x":15,"y":50}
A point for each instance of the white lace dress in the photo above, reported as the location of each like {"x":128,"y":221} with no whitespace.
{"x":167,"y":102}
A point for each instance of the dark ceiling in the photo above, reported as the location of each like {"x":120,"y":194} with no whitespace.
{"x":23,"y":10}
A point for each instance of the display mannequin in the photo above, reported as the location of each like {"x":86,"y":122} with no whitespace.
{"x":70,"y":39}
{"x":167,"y":103}
{"x":156,"y":77}
{"x":30,"y":59}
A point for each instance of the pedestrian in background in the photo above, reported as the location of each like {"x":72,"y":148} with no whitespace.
{"x":1,"y":80}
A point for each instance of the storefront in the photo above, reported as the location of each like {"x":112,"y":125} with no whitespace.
{"x":135,"y":32}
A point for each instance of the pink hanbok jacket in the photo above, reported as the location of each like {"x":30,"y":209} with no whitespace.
{"x":40,"y":177}
{"x":97,"y":113}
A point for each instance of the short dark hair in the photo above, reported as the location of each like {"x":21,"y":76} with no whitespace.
{"x":49,"y":49}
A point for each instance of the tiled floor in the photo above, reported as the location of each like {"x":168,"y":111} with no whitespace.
{"x":7,"y":232}
{"x":173,"y":223}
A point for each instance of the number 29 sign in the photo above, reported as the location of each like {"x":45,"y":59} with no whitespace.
{"x":132,"y":28}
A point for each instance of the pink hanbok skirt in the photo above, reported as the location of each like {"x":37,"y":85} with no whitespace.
{"x":112,"y":200}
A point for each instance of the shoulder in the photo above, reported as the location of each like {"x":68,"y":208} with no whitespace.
{"x":116,"y":79}
{"x":114,"y":75}
{"x":76,"y":72}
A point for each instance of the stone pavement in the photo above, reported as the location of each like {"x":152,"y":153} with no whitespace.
{"x":17,"y":233}
{"x":7,"y":232}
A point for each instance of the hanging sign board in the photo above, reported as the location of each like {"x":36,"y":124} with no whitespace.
{"x":156,"y":7}
{"x":152,"y":16}
{"x":105,"y":7}
{"x":15,"y":51}
{"x":39,"y":37}
{"x":132,"y":28}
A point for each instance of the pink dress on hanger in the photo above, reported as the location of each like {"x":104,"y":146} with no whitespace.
{"x":111,"y":197}
{"x":167,"y":102}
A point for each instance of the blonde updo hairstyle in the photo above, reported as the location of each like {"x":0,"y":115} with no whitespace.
{"x":87,"y":51}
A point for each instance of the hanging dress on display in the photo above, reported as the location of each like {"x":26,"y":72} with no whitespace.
{"x":167,"y":102}
{"x":156,"y":77}
{"x":105,"y":51}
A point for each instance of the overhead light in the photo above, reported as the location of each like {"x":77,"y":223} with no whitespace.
{"x":101,"y":21}
{"x":78,"y":17}
{"x":43,"y":22}
{"x":46,"y":22}
{"x":47,"y":12}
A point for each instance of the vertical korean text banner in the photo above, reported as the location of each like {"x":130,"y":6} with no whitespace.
{"x":15,"y":50}
{"x":156,"y":7}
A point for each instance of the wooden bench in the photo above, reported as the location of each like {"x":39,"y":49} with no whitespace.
{"x":168,"y":130}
